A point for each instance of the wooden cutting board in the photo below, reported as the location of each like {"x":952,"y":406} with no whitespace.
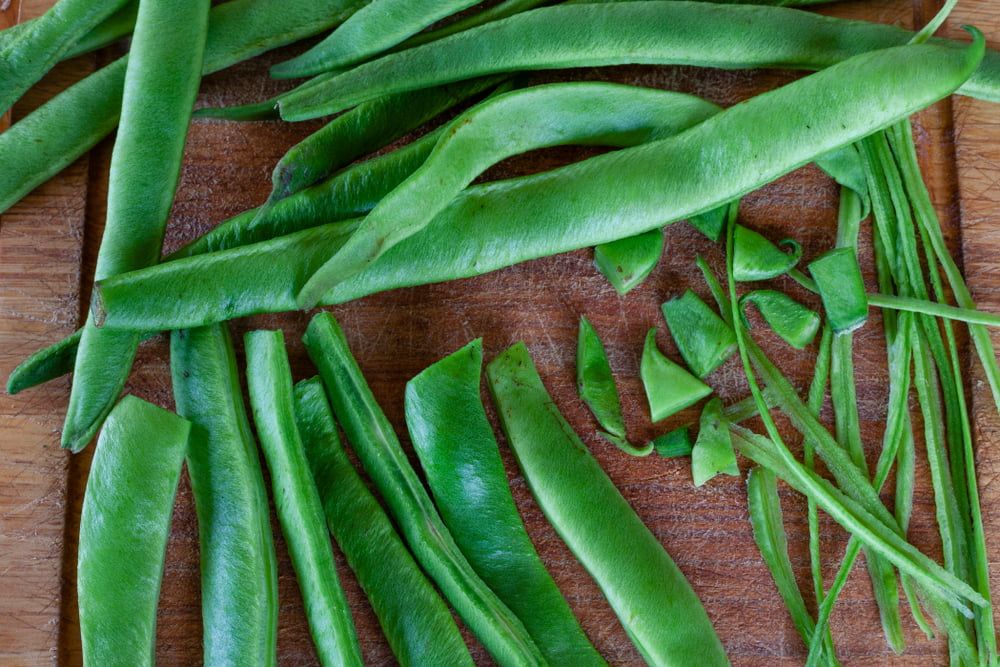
{"x":48,"y":243}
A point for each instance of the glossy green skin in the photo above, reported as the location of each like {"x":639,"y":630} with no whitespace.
{"x":124,"y":527}
{"x":589,"y":113}
{"x":460,"y":457}
{"x":756,"y":258}
{"x":712,"y":453}
{"x":296,"y":500}
{"x":591,"y":35}
{"x":594,"y":381}
{"x":161,"y":84}
{"x":704,"y":340}
{"x":842,"y":288}
{"x":654,"y":602}
{"x":414,"y":618}
{"x":628,"y":262}
{"x":573,"y":207}
{"x":53,"y":136}
{"x":239,"y":579}
{"x":25,"y":59}
{"x":669,"y":387}
{"x":407,"y":501}
{"x":796,"y":324}
{"x":373,"y":29}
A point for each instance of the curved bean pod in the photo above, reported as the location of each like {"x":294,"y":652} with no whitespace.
{"x":124,"y":527}
{"x":239,"y":579}
{"x":161,"y":84}
{"x":584,"y":204}
{"x":583,"y":113}
{"x":413,"y":616}
{"x":591,"y":35}
{"x":654,"y":602}
{"x":296,"y":500}
{"x":376,"y":444}
{"x":455,"y":444}
{"x":112,"y":28}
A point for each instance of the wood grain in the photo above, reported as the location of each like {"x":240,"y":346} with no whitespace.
{"x":48,"y":244}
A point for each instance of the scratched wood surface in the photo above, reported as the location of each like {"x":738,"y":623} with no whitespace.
{"x":48,"y":244}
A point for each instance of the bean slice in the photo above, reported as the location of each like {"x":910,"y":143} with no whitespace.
{"x":756,"y":258}
{"x":414,"y":618}
{"x":669,"y":387}
{"x":703,"y":338}
{"x":712,"y":453}
{"x":461,"y":459}
{"x":594,"y":381}
{"x":296,"y":500}
{"x":124,"y":527}
{"x":628,"y":262}
{"x":796,"y":324}
{"x":654,"y":602}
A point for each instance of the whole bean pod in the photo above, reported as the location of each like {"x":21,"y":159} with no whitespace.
{"x":594,"y":201}
{"x":654,"y":602}
{"x":239,"y":579}
{"x":296,"y":500}
{"x":592,"y":35}
{"x":455,"y":444}
{"x":107,"y":31}
{"x":414,"y":618}
{"x":376,"y":444}
{"x":124,"y":527}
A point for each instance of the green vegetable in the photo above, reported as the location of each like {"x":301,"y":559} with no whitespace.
{"x":756,"y":258}
{"x":627,"y":262}
{"x":109,"y":30}
{"x":413,"y":616}
{"x":239,"y":579}
{"x":838,"y":279}
{"x":713,"y":450}
{"x":595,"y":382}
{"x":674,"y":443}
{"x":124,"y":527}
{"x":796,"y":324}
{"x":161,"y":84}
{"x":711,"y":223}
{"x":406,"y":500}
{"x":455,"y":444}
{"x":669,"y":387}
{"x":704,"y":340}
{"x":654,"y":602}
{"x":297,"y":501}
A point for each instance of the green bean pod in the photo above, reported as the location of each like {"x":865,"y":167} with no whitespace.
{"x":796,"y":324}
{"x":594,"y":201}
{"x":627,"y":262}
{"x":107,"y":31}
{"x":124,"y":527}
{"x":414,"y":618}
{"x":756,"y":258}
{"x":160,"y":87}
{"x":712,"y":453}
{"x":575,"y":113}
{"x":296,"y":500}
{"x":239,"y":579}
{"x":654,"y":602}
{"x":373,"y":29}
{"x":669,"y":387}
{"x":376,"y":444}
{"x":703,"y":338}
{"x":455,"y":444}
{"x":591,"y":35}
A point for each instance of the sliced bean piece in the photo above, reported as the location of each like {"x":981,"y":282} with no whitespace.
{"x":796,"y":324}
{"x":841,"y":287}
{"x":704,"y":340}
{"x":461,"y":459}
{"x":674,"y":443}
{"x":711,"y":223}
{"x":628,"y":262}
{"x":569,"y":208}
{"x":382,"y":456}
{"x":713,"y":450}
{"x":239,"y":579}
{"x":756,"y":258}
{"x":654,"y":602}
{"x":594,"y":381}
{"x":669,"y":387}
{"x":661,"y":33}
{"x":297,"y":501}
{"x":161,"y":84}
{"x":414,"y":618}
{"x":124,"y":527}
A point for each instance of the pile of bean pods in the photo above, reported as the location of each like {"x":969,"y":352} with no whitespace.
{"x":339,"y":225}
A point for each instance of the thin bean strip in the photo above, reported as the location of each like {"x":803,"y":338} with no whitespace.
{"x":595,"y":382}
{"x":376,"y":444}
{"x":239,"y":579}
{"x":558,"y":210}
{"x":412,"y":615}
{"x":590,"y":35}
{"x":654,"y":602}
{"x":455,"y":444}
{"x":161,"y":84}
{"x":297,"y":501}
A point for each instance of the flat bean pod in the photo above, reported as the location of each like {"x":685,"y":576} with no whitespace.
{"x":161,"y":83}
{"x":239,"y":579}
{"x":109,"y":30}
{"x":591,"y":35}
{"x":500,"y":127}
{"x":382,"y":456}
{"x":461,"y":458}
{"x":124,"y":527}
{"x":652,"y":599}
{"x":297,"y":501}
{"x":414,"y":618}
{"x":594,"y":201}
